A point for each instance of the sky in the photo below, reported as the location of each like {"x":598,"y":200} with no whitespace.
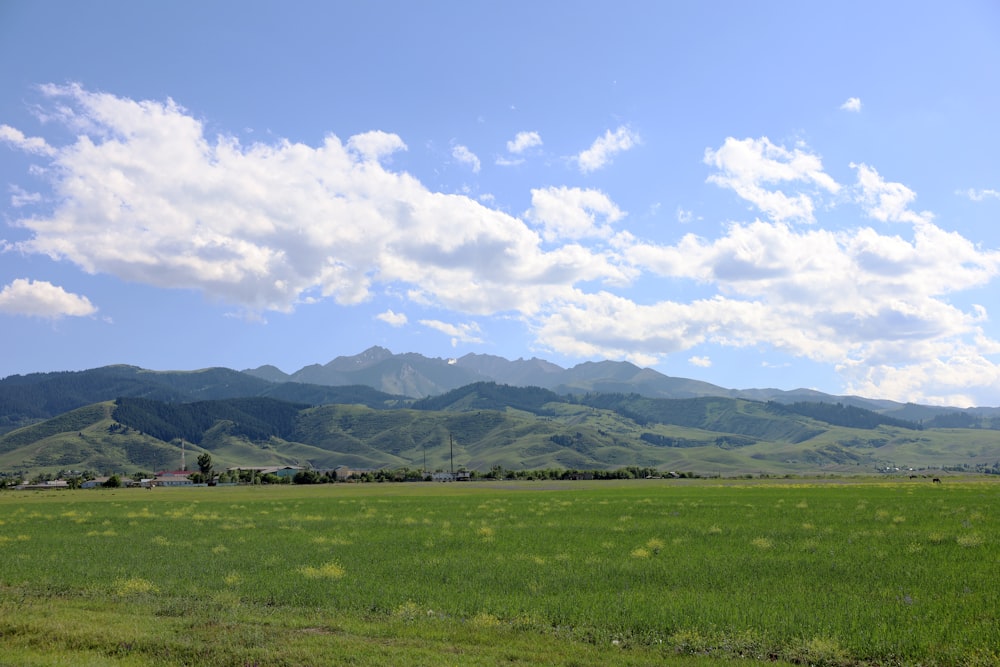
{"x":753,"y":194}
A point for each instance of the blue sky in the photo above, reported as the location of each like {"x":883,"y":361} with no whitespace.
{"x":771,"y":194}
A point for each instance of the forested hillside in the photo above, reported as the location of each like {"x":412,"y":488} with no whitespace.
{"x":492,"y":396}
{"x":26,"y":399}
{"x":486,"y":425}
{"x":252,"y":418}
{"x":839,"y":414}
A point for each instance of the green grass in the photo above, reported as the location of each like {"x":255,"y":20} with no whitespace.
{"x":630,"y":573}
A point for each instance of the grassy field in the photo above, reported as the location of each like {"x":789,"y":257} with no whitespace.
{"x":575,"y":573}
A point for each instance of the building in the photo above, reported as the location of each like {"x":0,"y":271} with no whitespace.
{"x":279,"y":471}
{"x":172,"y":479}
{"x":44,"y":486}
{"x":460,"y":476}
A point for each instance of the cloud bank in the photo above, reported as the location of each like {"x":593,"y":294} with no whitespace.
{"x":143,"y":194}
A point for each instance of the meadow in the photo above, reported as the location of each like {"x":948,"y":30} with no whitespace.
{"x":556,"y":573}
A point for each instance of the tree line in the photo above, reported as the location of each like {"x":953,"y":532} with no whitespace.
{"x":838,"y":414}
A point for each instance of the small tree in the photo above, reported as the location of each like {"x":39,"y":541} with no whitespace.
{"x":307,"y":477}
{"x":205,"y":466}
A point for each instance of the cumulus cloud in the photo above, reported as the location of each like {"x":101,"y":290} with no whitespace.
{"x":465,"y":156}
{"x":146,"y":196}
{"x":523,"y":141}
{"x":372,"y":146}
{"x":16,"y":138}
{"x":856,"y":299}
{"x":38,"y":298}
{"x":852,"y":104}
{"x":603,"y":324}
{"x":572,"y":213}
{"x":749,"y":166}
{"x":393,"y":318}
{"x":143,"y":194}
{"x":604,"y":148}
{"x":886,"y":202}
{"x":702,"y":362}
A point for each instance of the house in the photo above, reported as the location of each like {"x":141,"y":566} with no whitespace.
{"x":171,"y":479}
{"x":284,"y":471}
{"x":460,"y":476}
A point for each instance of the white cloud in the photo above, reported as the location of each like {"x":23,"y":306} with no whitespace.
{"x":465,"y":156}
{"x":147,"y":197}
{"x":502,"y":161}
{"x":857,"y":299}
{"x":684,"y":216}
{"x":460,"y":333}
{"x":702,"y":362}
{"x":142,"y":194}
{"x":38,"y":298}
{"x":747,"y":166}
{"x":393,"y":318}
{"x":375,"y":145}
{"x":954,"y":374}
{"x":523,"y":141}
{"x":852,"y":104}
{"x":606,"y":325}
{"x":886,"y":202}
{"x":604,"y":148}
{"x":19,"y":197}
{"x":980,"y":195}
{"x":16,"y":138}
{"x":572,"y":213}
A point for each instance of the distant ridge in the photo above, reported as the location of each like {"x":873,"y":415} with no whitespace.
{"x":26,"y":399}
{"x":418,"y":376}
{"x":378,"y":408}
{"x":414,"y":375}
{"x":491,"y":424}
{"x":379,"y":378}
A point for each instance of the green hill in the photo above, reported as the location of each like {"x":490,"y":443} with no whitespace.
{"x":488,"y":425}
{"x":26,"y":399}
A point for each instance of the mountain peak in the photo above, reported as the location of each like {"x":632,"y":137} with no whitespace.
{"x":373,"y":355}
{"x":268,"y":372}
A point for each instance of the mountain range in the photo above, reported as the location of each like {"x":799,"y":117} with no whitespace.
{"x":381,"y":409}
{"x":417,"y":376}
